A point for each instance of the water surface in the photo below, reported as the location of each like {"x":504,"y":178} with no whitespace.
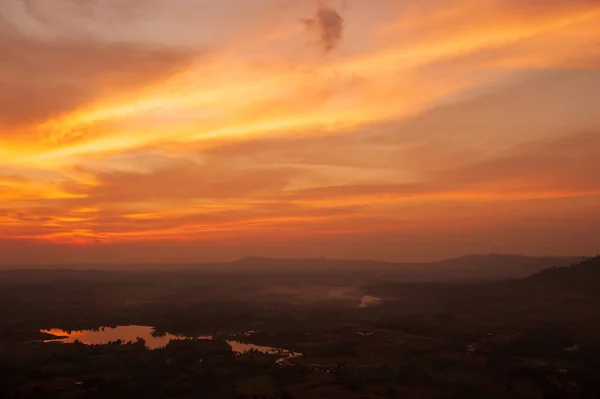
{"x":104,"y":335}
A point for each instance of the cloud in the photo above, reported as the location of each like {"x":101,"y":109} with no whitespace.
{"x":328,"y":25}
{"x":45,"y":79}
{"x":181,"y":179}
{"x":559,"y":165}
{"x":474,"y":118}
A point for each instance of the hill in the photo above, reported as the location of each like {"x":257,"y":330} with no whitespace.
{"x":471,"y":268}
{"x":467,"y":268}
{"x":583,"y":277}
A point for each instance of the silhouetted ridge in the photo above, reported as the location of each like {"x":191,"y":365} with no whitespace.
{"x":581,"y":276}
{"x":490,"y":267}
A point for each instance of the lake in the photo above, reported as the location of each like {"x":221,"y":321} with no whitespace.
{"x":104,"y":335}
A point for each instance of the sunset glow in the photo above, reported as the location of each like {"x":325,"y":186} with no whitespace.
{"x":205,"y":130}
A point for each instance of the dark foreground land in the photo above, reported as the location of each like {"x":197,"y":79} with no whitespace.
{"x":363,"y":332}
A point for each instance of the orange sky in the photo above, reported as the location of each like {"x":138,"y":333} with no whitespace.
{"x":200,"y":130}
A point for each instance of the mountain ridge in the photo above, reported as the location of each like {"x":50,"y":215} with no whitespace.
{"x":474,"y":267}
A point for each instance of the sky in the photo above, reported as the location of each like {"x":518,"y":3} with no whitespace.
{"x":153,"y":131}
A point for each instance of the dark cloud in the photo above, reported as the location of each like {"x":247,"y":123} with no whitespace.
{"x":328,"y":25}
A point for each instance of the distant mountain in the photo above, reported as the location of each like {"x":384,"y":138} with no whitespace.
{"x":468,"y":268}
{"x":308,"y":264}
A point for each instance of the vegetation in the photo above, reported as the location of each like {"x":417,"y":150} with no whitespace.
{"x":537,"y":337}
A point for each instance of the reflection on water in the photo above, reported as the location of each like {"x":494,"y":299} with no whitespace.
{"x":240,"y":347}
{"x":104,"y":335}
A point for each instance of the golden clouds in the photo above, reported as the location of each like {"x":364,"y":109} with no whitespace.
{"x":456,"y":102}
{"x":18,"y":190}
